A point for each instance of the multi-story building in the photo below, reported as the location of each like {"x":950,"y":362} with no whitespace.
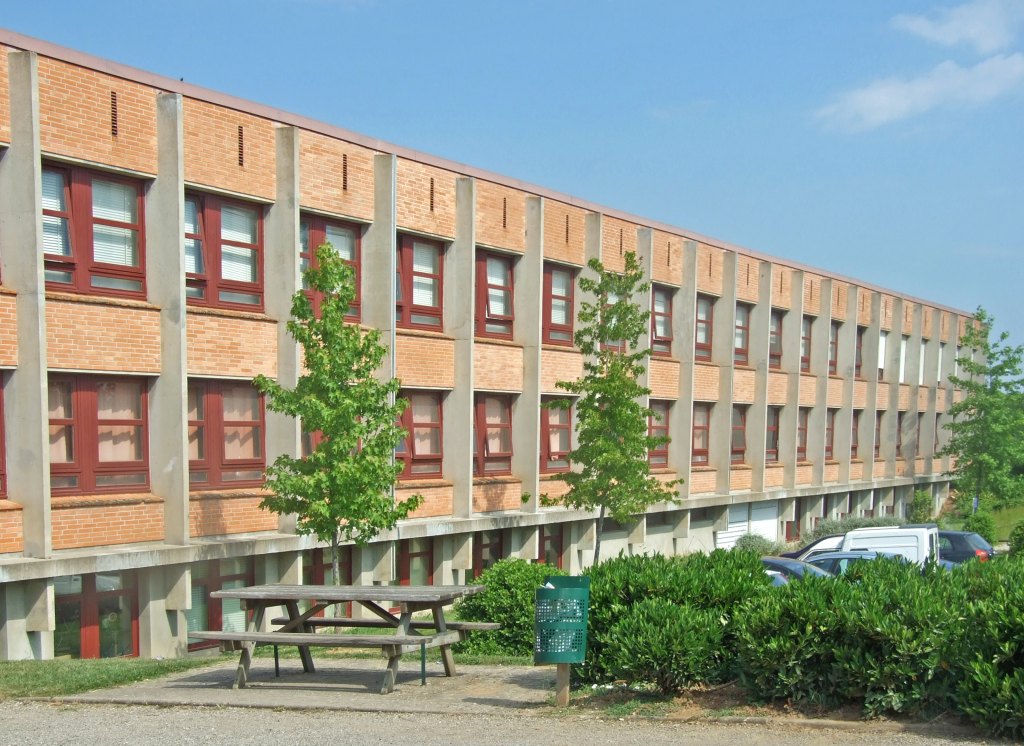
{"x":151,"y":237}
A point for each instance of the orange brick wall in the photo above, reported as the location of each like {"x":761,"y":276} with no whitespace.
{"x":5,"y":103}
{"x":834,"y":396}
{"x":840,"y":293}
{"x":928,"y":323}
{"x":222,"y":344}
{"x":804,"y":474}
{"x":778,"y":385}
{"x":886,"y":310}
{"x":558,"y":365}
{"x":740,"y":478}
{"x":860,"y":394}
{"x":221,"y":513}
{"x":102,"y":336}
{"x":705,"y":382}
{"x":497,"y":367}
{"x":743,"y":386}
{"x":922,"y":399}
{"x":490,"y":495}
{"x":500,"y":216}
{"x":12,"y":536}
{"x":8,"y":329}
{"x":668,"y":258}
{"x":856,"y":471}
{"x":882,"y":395}
{"x":413,"y":205}
{"x":863,"y":307}
{"x":552,"y":488}
{"x":747,"y":279}
{"x":901,"y":468}
{"x":774,"y":476}
{"x":908,"y":317}
{"x":904,"y":400}
{"x":87,"y":135}
{"x":424,"y":360}
{"x":557,"y":246}
{"x":618,"y":238}
{"x":93,"y":521}
{"x":782,"y":287}
{"x":437,"y":499}
{"x":831,"y":473}
{"x":812,"y":294}
{"x":324,"y":163}
{"x":703,"y":480}
{"x":211,"y":149}
{"x":808,"y":390}
{"x":940,"y":400}
{"x":710,"y":265}
{"x":663,"y":378}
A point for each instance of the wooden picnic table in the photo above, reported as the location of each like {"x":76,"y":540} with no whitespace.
{"x":299,"y":628}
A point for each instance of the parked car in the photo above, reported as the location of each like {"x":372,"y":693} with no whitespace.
{"x":915,"y":542}
{"x":776,"y":577}
{"x":792,"y":568}
{"x":824,"y":544}
{"x":960,"y":546}
{"x":839,"y":562}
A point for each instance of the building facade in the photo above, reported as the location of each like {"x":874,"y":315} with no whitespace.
{"x":151,"y":236}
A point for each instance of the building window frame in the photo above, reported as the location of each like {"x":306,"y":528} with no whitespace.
{"x":830,"y":433}
{"x":495,"y":296}
{"x":559,"y":305}
{"x":210,"y":466}
{"x":833,"y":347}
{"x":878,"y":434}
{"x":488,"y":548}
{"x":701,"y":434}
{"x":421,"y":452}
{"x":410,"y":314}
{"x":315,"y":230}
{"x":550,"y":544}
{"x":771,"y":442}
{"x":556,"y":425}
{"x":738,"y":440}
{"x":233,"y":572}
{"x":855,"y":435}
{"x":413,"y":550}
{"x":803,"y":419}
{"x":658,"y":426}
{"x":741,"y":338}
{"x":87,"y":605}
{"x":858,"y":361}
{"x":775,"y":338}
{"x":3,"y":442}
{"x":492,"y":440}
{"x":704,"y":327}
{"x":806,"y":339}
{"x":207,"y":247}
{"x":661,"y":320}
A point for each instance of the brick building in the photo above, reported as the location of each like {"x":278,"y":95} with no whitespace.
{"x":151,"y":236}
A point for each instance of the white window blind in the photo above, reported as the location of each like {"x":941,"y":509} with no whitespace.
{"x":238,"y":224}
{"x":424,"y":261}
{"x":193,"y":246}
{"x":343,"y":240}
{"x":237,"y":264}
{"x":55,"y":230}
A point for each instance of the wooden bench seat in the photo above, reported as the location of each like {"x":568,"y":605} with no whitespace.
{"x":299,"y":638}
{"x":329,"y":621}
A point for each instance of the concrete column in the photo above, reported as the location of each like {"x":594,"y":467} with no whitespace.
{"x":684,"y":334}
{"x":842,"y":437}
{"x":891,"y":425}
{"x":791,"y":335}
{"x":162,"y":627}
{"x":165,"y":266}
{"x":26,"y":620}
{"x":529,"y":300}
{"x":757,"y":414}
{"x":915,"y":370}
{"x":872,"y":363}
{"x":21,"y":233}
{"x":281,"y":282}
{"x":459,"y":292}
{"x":723,"y":345}
{"x":645,"y":257}
{"x":820,"y":341}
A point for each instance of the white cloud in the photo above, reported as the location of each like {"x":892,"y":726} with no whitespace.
{"x":987,"y":25}
{"x":948,"y":84}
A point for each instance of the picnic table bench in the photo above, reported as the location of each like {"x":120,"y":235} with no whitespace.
{"x":300,"y":628}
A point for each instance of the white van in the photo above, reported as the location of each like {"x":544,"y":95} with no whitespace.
{"x":917,"y":542}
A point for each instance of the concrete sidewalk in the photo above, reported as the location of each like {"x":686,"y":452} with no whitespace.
{"x":345,"y":684}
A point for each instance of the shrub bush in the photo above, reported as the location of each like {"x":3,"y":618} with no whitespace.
{"x":662,"y":643}
{"x":758,"y":545}
{"x":921,"y":507}
{"x":981,"y":523}
{"x":1017,"y":540}
{"x":510,"y":601}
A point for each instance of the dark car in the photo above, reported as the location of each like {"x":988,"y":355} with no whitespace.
{"x":839,"y":562}
{"x":960,"y":546}
{"x":793,"y":569}
{"x":828,"y":543}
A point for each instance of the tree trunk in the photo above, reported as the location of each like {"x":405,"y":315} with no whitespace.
{"x":597,"y":541}
{"x":335,"y":563}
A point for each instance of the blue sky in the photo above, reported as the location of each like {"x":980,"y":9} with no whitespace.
{"x":878,"y":140}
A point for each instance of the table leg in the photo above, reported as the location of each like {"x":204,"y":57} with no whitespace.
{"x":242,"y":674}
{"x":446,"y":652}
{"x":304,"y":655}
{"x":394,"y":654}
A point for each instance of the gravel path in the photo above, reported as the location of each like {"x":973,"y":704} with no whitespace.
{"x":47,"y":724}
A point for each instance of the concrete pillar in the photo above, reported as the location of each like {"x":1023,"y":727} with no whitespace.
{"x":165,"y":266}
{"x":684,"y":334}
{"x":163,"y":630}
{"x":21,"y":225}
{"x":842,"y":437}
{"x":529,"y":302}
{"x":757,"y":414}
{"x":723,"y":345}
{"x":872,"y":363}
{"x":281,"y":282}
{"x":915,"y":372}
{"x":791,"y":335}
{"x":645,"y":257}
{"x":459,"y":318}
{"x":26,"y":620}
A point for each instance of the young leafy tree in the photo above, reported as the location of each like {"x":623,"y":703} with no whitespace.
{"x":609,"y":468}
{"x":987,"y":427}
{"x":342,"y":490}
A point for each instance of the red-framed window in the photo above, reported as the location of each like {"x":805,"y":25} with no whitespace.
{"x":549,"y":545}
{"x":318,"y":569}
{"x":883,"y":338}
{"x":830,"y":433}
{"x":661,"y":321}
{"x":344,"y":238}
{"x":878,"y":434}
{"x":616,"y":345}
{"x":96,"y":616}
{"x":98,"y":434}
{"x":775,"y":340}
{"x":3,"y":447}
{"x":415,"y":561}
{"x":657,"y":427}
{"x":806,"y":326}
{"x":492,"y":435}
{"x":771,"y":443}
{"x":420,"y":267}
{"x":701,"y":437}
{"x":741,"y":340}
{"x":919,"y":433}
{"x":858,"y":360}
{"x":223,"y":252}
{"x":488,"y":548}
{"x":93,"y":234}
{"x":704,"y":327}
{"x":555,"y":437}
{"x":739,"y":433}
{"x":899,"y":434}
{"x":226,"y":427}
{"x":214,"y":613}
{"x":495,"y":310}
{"x":803,"y":419}
{"x":559,"y":313}
{"x":421,"y":452}
{"x":855,"y":435}
{"x":833,"y":348}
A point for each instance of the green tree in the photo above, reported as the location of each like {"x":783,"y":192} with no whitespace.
{"x":987,"y":424}
{"x":609,"y":469}
{"x":343,"y":489}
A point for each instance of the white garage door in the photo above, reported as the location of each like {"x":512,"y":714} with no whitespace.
{"x":764,"y":519}
{"x":738,"y":525}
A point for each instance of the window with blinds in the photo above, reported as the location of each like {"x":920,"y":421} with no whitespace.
{"x":343,"y":238}
{"x":420,"y":265}
{"x":223,"y":253}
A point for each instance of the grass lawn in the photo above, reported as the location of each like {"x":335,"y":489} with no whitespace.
{"x":1006,"y":520}
{"x":61,"y":677}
